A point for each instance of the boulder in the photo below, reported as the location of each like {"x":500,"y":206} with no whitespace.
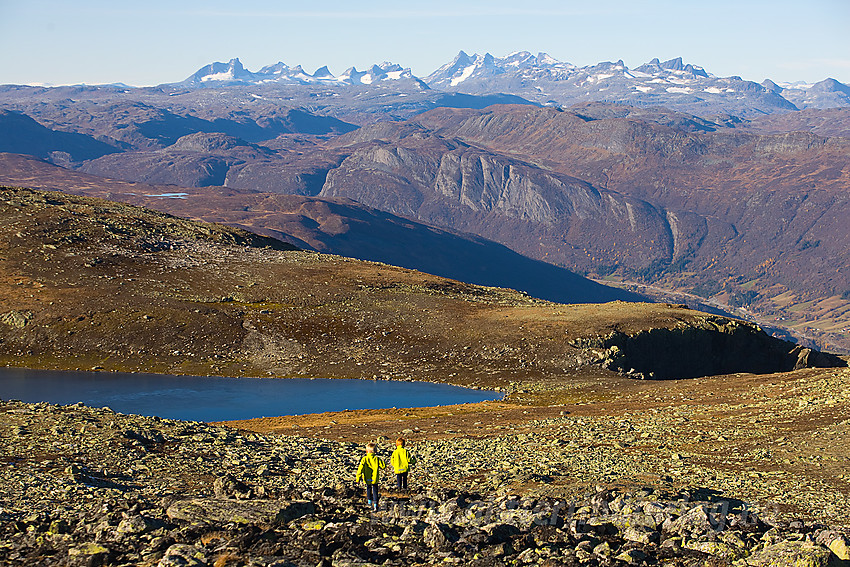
{"x":727,"y":548}
{"x":134,"y":525}
{"x":92,"y":554}
{"x":217,"y":510}
{"x":18,"y":319}
{"x":499,"y":533}
{"x":698,"y":519}
{"x":182,"y":555}
{"x":228,"y":486}
{"x":639,"y":534}
{"x":439,"y":536}
{"x":837,"y":544}
{"x":632,"y":556}
{"x":790,"y":554}
{"x":636,"y":520}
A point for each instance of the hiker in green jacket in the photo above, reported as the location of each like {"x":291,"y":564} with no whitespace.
{"x":401,"y":460}
{"x":369,"y":472}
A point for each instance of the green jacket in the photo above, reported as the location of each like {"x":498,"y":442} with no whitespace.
{"x":369,"y":468}
{"x":402,"y":460}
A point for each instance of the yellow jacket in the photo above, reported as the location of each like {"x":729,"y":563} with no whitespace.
{"x":402,"y":460}
{"x":368,"y":471}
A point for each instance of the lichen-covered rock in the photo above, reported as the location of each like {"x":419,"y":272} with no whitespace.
{"x":631,"y":556}
{"x":90,"y":554}
{"x":698,"y":519}
{"x":18,"y":319}
{"x":790,"y":554}
{"x":215,"y":510}
{"x":639,"y":534}
{"x":439,"y":536}
{"x":728,"y":547}
{"x":136,"y":524}
{"x":499,"y":533}
{"x":636,"y":520}
{"x":840,"y":547}
{"x":228,"y":486}
{"x":182,"y":555}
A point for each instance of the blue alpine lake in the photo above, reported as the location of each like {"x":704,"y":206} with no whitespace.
{"x":202,"y":398}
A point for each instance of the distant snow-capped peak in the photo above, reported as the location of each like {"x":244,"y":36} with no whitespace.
{"x":233,"y":72}
{"x":221,"y":72}
{"x":523,"y":65}
{"x":520,"y":63}
{"x":543,"y":79}
{"x":386,"y":71}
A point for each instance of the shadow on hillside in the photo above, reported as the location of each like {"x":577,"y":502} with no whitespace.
{"x":377,"y":236}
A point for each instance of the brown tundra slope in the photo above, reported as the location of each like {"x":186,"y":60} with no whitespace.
{"x":88,"y":283}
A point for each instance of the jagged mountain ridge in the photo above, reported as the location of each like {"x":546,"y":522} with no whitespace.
{"x":545,"y":80}
{"x":232,"y":72}
{"x":672,"y":83}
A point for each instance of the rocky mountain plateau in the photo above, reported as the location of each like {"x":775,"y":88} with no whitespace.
{"x":582,"y":463}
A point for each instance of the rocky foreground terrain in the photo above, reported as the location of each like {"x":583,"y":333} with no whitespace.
{"x":88,"y":486}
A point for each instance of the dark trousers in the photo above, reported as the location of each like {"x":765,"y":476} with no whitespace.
{"x":401,"y":480}
{"x":372,"y":492}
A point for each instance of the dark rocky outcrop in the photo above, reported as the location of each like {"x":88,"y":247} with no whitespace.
{"x":708,"y":347}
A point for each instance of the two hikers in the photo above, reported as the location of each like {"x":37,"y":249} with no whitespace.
{"x":371,"y":465}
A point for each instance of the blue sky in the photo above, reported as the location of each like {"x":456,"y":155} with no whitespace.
{"x":152,"y":42}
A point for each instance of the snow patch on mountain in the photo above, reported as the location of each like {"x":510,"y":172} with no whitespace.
{"x":467,"y":72}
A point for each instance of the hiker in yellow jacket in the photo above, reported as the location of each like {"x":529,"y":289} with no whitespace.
{"x":401,"y":460}
{"x":369,"y":472}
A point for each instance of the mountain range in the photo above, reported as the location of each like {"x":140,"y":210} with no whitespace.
{"x":542,"y":79}
{"x":664,"y":179}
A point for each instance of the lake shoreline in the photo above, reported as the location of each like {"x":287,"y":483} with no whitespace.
{"x":225,"y":398}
